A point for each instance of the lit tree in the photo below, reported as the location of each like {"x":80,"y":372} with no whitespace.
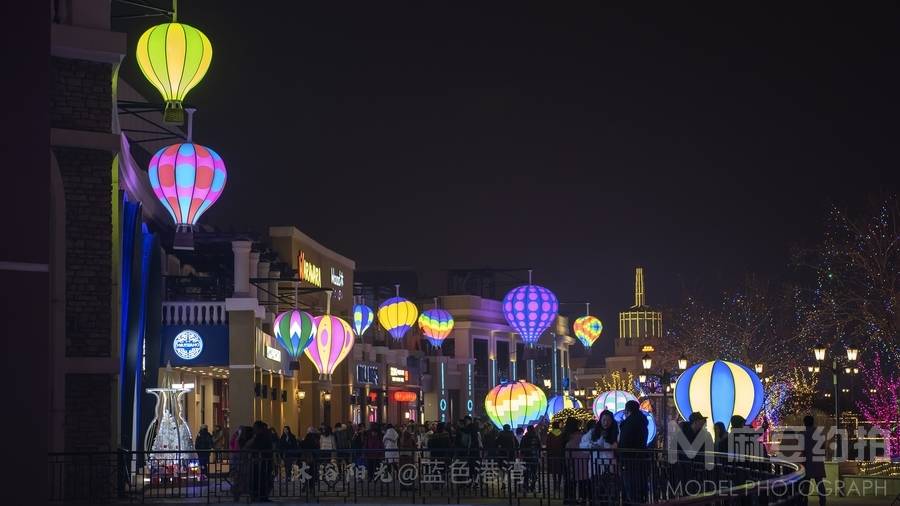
{"x":882,"y":403}
{"x":616,"y":381}
{"x":857,"y":280}
{"x":802,"y":385}
{"x":776,"y":396}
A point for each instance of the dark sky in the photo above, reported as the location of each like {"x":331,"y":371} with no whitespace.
{"x":700,"y":144}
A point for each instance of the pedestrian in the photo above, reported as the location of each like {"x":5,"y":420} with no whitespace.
{"x":261,"y":477}
{"x":374,"y":448}
{"x":506,"y":446}
{"x":530,"y":450}
{"x":556,"y":453}
{"x":814,"y":457}
{"x":391,"y":441}
{"x":219,"y":440}
{"x":575,"y":471}
{"x":439,"y":443}
{"x":520,"y":433}
{"x":203,"y":443}
{"x":603,"y":440}
{"x":287,"y":446}
{"x":239,"y":462}
{"x":309,"y":447}
{"x":634,"y":461}
{"x":720,"y":439}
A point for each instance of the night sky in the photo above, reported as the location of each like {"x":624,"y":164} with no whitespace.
{"x":699,"y":144}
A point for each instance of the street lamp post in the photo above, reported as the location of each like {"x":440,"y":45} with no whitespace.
{"x":819,"y":353}
{"x":667,"y":382}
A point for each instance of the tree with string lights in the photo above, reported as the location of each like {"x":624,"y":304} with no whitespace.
{"x":856,"y":268}
{"x":881,"y":404}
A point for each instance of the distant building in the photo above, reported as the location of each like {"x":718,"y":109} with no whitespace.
{"x":640,"y":331}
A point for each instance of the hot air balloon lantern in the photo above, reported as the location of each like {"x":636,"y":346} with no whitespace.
{"x":294,"y":331}
{"x":174,"y":57}
{"x":397,"y":315}
{"x":187,"y":178}
{"x":436,"y":324}
{"x":332,"y":343}
{"x":363,"y":316}
{"x":587,"y":328}
{"x":516,"y":403}
{"x":613,"y":400}
{"x":719,"y":390}
{"x":560,"y":402}
{"x":529,"y":310}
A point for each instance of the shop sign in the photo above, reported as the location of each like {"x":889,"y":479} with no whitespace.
{"x":187,"y":345}
{"x":367,"y":374}
{"x":308,"y":271}
{"x":404,"y":396}
{"x":398,"y":375}
{"x":273,"y":354}
{"x":337,"y":277}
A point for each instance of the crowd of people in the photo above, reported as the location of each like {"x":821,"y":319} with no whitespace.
{"x":581,"y":461}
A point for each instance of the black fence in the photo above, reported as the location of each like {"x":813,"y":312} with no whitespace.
{"x":588,"y":477}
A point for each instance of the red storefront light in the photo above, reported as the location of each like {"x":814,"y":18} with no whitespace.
{"x":403,"y":396}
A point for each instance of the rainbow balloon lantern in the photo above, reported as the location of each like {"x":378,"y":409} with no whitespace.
{"x":588,"y":329}
{"x":651,"y":424}
{"x":436,"y":324}
{"x":613,"y":400}
{"x":516,"y":403}
{"x":397,"y":315}
{"x":331,"y":345}
{"x":719,"y":390}
{"x":529,"y":310}
{"x":294,"y":331}
{"x":558,"y":403}
{"x":363,"y":316}
{"x":174,"y":57}
{"x":187,"y":179}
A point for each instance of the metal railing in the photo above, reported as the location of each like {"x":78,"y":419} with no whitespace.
{"x":590,"y":477}
{"x":194,"y":313}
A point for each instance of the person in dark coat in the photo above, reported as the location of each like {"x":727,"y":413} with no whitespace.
{"x":310,"y":450}
{"x":530,"y":449}
{"x":506,"y":445}
{"x":261,"y":478}
{"x":287,"y":446}
{"x":556,"y":453}
{"x":439,"y":444}
{"x":814,"y":457}
{"x":634,"y":463}
{"x":203,"y":443}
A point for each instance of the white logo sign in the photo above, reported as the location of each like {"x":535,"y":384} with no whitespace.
{"x":273,"y":354}
{"x":188,"y":344}
{"x":337,"y":277}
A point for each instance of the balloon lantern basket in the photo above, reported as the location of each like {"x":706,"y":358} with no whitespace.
{"x":295,"y":365}
{"x":174,"y":113}
{"x":184,"y":238}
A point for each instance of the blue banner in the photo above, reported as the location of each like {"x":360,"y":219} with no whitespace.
{"x":197,"y":345}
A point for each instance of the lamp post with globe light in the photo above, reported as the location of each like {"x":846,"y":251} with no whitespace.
{"x":819,"y":352}
{"x":666,"y":380}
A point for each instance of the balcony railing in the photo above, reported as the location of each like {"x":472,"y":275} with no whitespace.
{"x":194,"y":313}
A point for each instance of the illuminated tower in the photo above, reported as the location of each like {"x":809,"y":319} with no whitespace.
{"x":640,"y":329}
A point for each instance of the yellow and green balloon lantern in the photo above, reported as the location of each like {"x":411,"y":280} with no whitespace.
{"x":174,"y":57}
{"x":515,"y":403}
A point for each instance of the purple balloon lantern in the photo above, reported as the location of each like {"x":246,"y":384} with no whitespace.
{"x":529,"y":310}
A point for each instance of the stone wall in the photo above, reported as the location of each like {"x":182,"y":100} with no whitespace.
{"x":89,"y":420}
{"x":87,"y":180}
{"x":80,"y":95}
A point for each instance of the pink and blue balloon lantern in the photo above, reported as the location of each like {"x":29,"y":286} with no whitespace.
{"x":529,"y":310}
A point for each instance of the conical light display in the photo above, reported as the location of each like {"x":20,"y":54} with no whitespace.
{"x":174,"y":57}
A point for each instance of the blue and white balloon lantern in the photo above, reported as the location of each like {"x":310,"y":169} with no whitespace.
{"x":719,"y":390}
